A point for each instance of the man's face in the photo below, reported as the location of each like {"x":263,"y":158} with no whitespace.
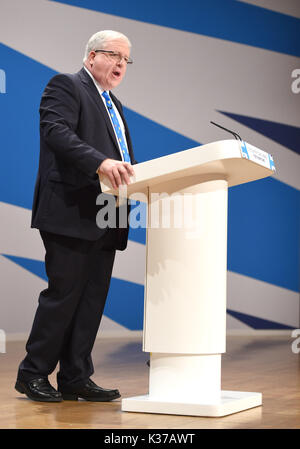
{"x":108,"y":71}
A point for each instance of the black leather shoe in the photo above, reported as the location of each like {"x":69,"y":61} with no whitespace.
{"x":38,"y":390}
{"x":90,"y":392}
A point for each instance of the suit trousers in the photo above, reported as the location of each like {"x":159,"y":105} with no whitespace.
{"x":69,"y":310}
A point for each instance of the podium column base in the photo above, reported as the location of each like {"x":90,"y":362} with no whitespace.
{"x":230,"y":402}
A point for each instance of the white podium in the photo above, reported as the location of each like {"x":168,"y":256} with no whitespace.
{"x":186,"y":269}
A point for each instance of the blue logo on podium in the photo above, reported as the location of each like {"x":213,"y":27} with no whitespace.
{"x":244,"y":150}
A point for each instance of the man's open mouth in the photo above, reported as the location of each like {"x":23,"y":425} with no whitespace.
{"x":117,"y":73}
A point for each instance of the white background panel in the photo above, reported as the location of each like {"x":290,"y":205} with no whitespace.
{"x":17,"y":238}
{"x":260,"y":299}
{"x":19,"y":290}
{"x":130,"y":264}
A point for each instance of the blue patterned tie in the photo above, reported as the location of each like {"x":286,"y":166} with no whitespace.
{"x":117,"y":127}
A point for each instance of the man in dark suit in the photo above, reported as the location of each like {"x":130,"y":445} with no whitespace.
{"x":83,"y":132}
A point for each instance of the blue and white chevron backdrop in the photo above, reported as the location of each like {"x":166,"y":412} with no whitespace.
{"x":233,"y":62}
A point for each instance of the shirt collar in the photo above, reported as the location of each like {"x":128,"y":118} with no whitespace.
{"x":100,"y":89}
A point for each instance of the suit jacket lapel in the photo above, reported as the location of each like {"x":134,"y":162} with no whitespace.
{"x":87,"y":80}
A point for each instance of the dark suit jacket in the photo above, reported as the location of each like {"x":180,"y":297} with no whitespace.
{"x":76,"y":135}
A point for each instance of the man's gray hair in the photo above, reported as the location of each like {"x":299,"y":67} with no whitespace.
{"x":99,"y":40}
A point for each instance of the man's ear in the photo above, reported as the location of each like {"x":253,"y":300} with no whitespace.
{"x":91,"y":58}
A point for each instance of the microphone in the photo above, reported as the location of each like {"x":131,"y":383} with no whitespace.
{"x":237,"y":137}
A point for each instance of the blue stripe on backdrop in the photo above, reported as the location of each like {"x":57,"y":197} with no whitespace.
{"x":125,"y":304}
{"x":138,"y":235}
{"x":264,"y":232}
{"x":286,"y":135}
{"x":19,"y":118}
{"x":223,"y":19}
{"x":125,"y":301}
{"x":257,"y":323}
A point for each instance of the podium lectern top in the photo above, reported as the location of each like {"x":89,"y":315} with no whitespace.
{"x":235,"y":161}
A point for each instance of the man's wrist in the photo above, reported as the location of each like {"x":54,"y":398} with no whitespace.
{"x":98,"y":169}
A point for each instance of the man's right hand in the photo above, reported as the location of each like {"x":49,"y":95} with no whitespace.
{"x":118,"y":172}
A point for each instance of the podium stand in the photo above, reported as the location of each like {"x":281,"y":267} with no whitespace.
{"x":186,"y":269}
